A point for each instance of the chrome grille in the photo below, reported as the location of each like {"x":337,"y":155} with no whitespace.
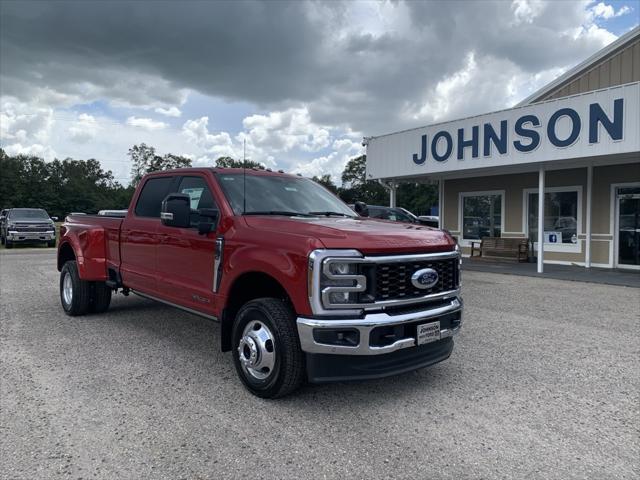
{"x":393,"y":280}
{"x":31,"y":227}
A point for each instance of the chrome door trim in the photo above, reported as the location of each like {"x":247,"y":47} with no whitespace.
{"x":217,"y":263}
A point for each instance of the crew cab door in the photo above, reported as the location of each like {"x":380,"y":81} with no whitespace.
{"x":185,"y":258}
{"x":138,"y":235}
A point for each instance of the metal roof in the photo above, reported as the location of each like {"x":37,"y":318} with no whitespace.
{"x":583,"y":67}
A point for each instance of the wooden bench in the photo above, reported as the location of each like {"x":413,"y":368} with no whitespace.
{"x":498,"y":248}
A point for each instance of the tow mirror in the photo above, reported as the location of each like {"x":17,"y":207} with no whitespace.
{"x":176,"y":210}
{"x":208,"y":220}
{"x":361,"y":209}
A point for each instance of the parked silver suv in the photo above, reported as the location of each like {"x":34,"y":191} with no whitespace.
{"x":27,"y":225}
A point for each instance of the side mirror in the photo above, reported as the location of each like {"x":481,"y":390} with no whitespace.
{"x":176,"y":210}
{"x":361,"y":209}
{"x":208,"y":220}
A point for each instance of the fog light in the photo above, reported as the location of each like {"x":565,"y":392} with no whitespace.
{"x":344,"y":337}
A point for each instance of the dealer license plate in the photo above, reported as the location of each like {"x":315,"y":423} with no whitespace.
{"x":428,"y":332}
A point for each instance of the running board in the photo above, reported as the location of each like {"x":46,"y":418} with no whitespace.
{"x":179,"y":307}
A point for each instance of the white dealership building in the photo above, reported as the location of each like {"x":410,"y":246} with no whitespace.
{"x":577,"y":140}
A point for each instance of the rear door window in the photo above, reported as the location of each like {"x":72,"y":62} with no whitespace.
{"x":153,"y":193}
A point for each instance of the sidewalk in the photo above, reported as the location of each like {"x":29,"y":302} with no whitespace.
{"x":626,"y":278}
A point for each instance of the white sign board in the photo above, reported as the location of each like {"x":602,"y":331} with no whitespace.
{"x":602,"y":122}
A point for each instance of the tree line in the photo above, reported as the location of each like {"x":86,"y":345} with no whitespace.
{"x":69,"y":185}
{"x":59,"y":186}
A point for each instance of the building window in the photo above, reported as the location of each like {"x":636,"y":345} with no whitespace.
{"x":481,"y":215}
{"x":562,"y":217}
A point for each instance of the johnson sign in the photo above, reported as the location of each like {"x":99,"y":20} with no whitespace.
{"x":597,"y":123}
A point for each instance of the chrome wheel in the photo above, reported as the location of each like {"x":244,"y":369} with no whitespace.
{"x":67,"y":289}
{"x":256,"y":350}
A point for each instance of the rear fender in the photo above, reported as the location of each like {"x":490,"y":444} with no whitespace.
{"x":89,"y":249}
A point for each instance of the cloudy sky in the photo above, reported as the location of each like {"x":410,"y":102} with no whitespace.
{"x":300,"y":82}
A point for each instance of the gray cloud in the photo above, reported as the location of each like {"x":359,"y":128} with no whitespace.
{"x":375,"y":74}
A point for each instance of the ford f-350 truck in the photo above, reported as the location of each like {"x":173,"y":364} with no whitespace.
{"x":304,"y":288}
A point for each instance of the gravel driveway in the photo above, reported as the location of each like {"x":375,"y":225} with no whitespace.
{"x":543,"y":383}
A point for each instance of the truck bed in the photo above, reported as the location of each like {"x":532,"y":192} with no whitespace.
{"x":100,"y":235}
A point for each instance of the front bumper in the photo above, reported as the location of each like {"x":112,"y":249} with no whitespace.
{"x":387,"y":343}
{"x":45,"y":236}
{"x":341,"y":368}
{"x":310,"y":329}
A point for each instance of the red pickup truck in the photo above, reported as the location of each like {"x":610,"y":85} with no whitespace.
{"x":303,"y":287}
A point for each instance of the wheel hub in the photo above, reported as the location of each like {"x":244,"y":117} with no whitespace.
{"x":248,"y":351}
{"x":67,"y":289}
{"x":256,"y":350}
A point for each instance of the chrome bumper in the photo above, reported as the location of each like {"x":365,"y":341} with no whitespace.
{"x":365,"y":325}
{"x":45,"y":235}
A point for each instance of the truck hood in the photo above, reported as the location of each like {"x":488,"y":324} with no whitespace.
{"x":366,"y":235}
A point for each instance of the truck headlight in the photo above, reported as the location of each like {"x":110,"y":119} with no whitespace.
{"x":335,"y":280}
{"x":340,"y":282}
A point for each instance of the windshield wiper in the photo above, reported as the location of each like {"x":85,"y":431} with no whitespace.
{"x":278,"y":212}
{"x":331,"y":214}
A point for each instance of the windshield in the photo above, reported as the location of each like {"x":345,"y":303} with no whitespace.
{"x":29,"y":213}
{"x":270,"y":193}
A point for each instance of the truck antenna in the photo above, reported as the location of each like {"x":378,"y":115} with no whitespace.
{"x":244,"y":176}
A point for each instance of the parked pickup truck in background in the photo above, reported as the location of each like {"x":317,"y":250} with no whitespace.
{"x":304,"y":289}
{"x":22,"y":225}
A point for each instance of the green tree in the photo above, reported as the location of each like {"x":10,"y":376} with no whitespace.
{"x":12,"y":175}
{"x":417,"y":197}
{"x":326,"y":181}
{"x":145,"y":160}
{"x":356,"y":187}
{"x":229,"y":162}
{"x":59,"y":186}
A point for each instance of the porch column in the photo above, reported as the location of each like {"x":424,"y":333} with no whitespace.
{"x":587,"y":250}
{"x":541,"y":220}
{"x":392,"y":194}
{"x":441,"y":203}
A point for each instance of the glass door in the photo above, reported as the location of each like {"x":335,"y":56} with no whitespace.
{"x":628,"y":231}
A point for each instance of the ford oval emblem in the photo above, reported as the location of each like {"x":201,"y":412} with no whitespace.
{"x":424,"y":278}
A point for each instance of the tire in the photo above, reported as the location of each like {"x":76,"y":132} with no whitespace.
{"x":265,"y":335}
{"x":100,"y":297}
{"x":51,"y":244}
{"x":8,"y":243}
{"x":1,"y":240}
{"x":76,"y":301}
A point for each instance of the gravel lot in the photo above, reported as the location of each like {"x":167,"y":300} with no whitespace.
{"x":544,"y":382}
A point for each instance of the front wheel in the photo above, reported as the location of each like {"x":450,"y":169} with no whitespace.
{"x":51,"y":243}
{"x":267,"y":353}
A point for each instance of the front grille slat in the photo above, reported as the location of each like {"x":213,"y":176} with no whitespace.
{"x":30,"y":227}
{"x":394,"y":279}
